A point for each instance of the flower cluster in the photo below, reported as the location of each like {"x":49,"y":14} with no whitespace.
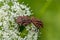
{"x":9,"y":11}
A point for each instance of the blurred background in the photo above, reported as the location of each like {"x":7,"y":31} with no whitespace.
{"x":49,"y":12}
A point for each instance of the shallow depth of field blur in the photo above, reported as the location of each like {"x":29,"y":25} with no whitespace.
{"x":49,"y":12}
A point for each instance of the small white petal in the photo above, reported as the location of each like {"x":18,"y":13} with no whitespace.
{"x":0,"y":23}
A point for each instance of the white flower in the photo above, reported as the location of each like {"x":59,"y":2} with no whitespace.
{"x":5,"y":7}
{"x":0,"y":23}
{"x":8,"y":14}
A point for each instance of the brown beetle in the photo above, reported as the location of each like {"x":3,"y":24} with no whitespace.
{"x":36,"y":22}
{"x":25,"y":20}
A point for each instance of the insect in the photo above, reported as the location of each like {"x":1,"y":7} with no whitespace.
{"x":25,"y":20}
{"x":38,"y":23}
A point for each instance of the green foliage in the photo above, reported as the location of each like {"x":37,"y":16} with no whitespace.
{"x":1,"y":4}
{"x":23,"y":31}
{"x":0,"y":28}
{"x":21,"y":28}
